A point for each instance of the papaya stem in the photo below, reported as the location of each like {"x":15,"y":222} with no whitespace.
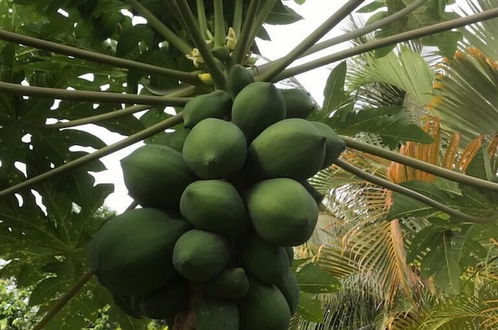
{"x":201,"y":18}
{"x":264,"y":11}
{"x":237,"y":17}
{"x":160,"y":27}
{"x":388,"y":41}
{"x":277,"y":66}
{"x":216,"y":73}
{"x":219,"y":24}
{"x":183,"y":76}
{"x":239,"y":52}
{"x":117,"y":113}
{"x":356,"y":33}
{"x":107,"y":150}
{"x":408,"y":192}
{"x":64,"y":299}
{"x":90,"y":96}
{"x":420,"y":165}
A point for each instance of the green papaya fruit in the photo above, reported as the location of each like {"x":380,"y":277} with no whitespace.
{"x":230,"y":284}
{"x":290,"y":254}
{"x":282,"y":212}
{"x":214,"y":313}
{"x":215,"y":149}
{"x":317,"y":196}
{"x":335,"y":145}
{"x":215,"y":206}
{"x":156,"y":176}
{"x":297,"y":102}
{"x":173,"y":140}
{"x":257,"y":106}
{"x":130,"y":305}
{"x":264,"y":308}
{"x":292,"y":148}
{"x":290,"y":289}
{"x":238,"y":78}
{"x":131,"y":254}
{"x":268,"y":264}
{"x":165,"y":302}
{"x":221,"y":53}
{"x":199,"y":255}
{"x":216,"y":104}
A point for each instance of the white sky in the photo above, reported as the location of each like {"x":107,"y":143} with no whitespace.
{"x":284,"y":38}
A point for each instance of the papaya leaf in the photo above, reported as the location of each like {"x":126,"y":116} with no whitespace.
{"x":448,"y":274}
{"x":310,"y":308}
{"x":281,"y":14}
{"x":313,"y":279}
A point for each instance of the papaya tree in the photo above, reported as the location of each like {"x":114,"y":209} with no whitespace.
{"x":212,"y":113}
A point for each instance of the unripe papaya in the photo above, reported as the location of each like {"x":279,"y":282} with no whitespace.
{"x":257,"y":106}
{"x":264,"y":308}
{"x":131,"y":254}
{"x":335,"y":145}
{"x":297,"y":102}
{"x":290,"y":289}
{"x":268,"y":264}
{"x":290,"y":254}
{"x":282,"y":212}
{"x":199,"y":255}
{"x":165,"y":302}
{"x":217,"y":314}
{"x":221,"y":53}
{"x":230,"y":284}
{"x":156,"y":176}
{"x":238,"y":78}
{"x":215,"y":206}
{"x":130,"y":305}
{"x":216,"y":104}
{"x":292,"y":148}
{"x":215,"y":149}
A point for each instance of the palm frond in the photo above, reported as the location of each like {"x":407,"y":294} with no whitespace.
{"x":482,"y":35}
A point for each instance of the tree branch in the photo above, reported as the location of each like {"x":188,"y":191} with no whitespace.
{"x":186,"y":77}
{"x":64,"y":299}
{"x":277,"y":66}
{"x":408,"y":192}
{"x":216,"y":73}
{"x":356,"y":33}
{"x":90,"y":96}
{"x":107,"y":150}
{"x":116,"y":113}
{"x":240,"y":48}
{"x":420,"y":165}
{"x":392,"y":40}
{"x":165,"y":31}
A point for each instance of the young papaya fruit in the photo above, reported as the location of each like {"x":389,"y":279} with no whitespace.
{"x":156,"y":176}
{"x":216,"y":104}
{"x":214,"y":313}
{"x":290,"y":289}
{"x":215,"y":149}
{"x":199,"y":255}
{"x":297,"y":102}
{"x":215,"y":206}
{"x":268,"y":264}
{"x":165,"y":302}
{"x":232,"y":283}
{"x":257,"y":106}
{"x":292,"y":148}
{"x":238,"y":78}
{"x":264,"y":307}
{"x":131,"y":254}
{"x":282,"y":212}
{"x":335,"y":145}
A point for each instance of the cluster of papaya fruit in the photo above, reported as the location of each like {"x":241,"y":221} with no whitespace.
{"x":219,"y":219}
